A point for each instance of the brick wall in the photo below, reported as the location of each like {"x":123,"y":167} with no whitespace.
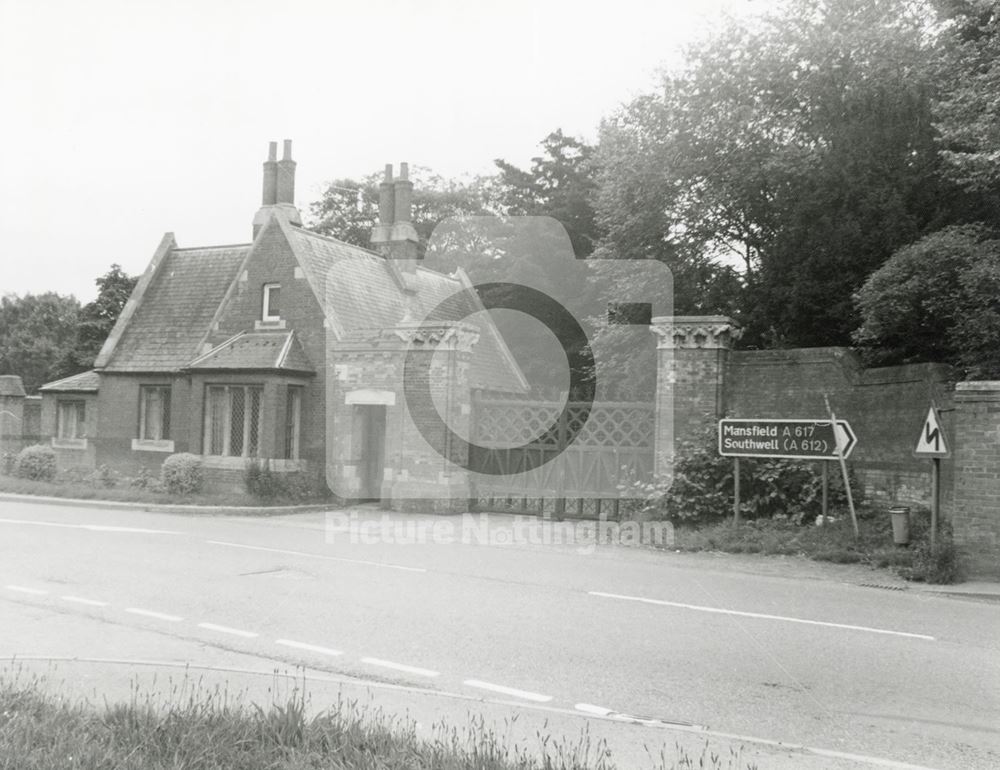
{"x":975,"y":514}
{"x":886,"y":408}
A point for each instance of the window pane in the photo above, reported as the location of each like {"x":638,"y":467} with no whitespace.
{"x":273,"y":298}
{"x":216,"y":415}
{"x":253,"y":422}
{"x":237,"y":415}
{"x":293,"y":421}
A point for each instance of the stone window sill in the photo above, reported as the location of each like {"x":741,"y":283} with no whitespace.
{"x":69,"y":443}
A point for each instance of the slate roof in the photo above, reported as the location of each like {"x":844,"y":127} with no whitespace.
{"x":85,"y":382}
{"x":177,"y":309}
{"x":358,"y":289}
{"x":279,"y":351}
{"x":362,"y":292}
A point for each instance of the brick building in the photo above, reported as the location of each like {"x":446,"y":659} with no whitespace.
{"x":289,"y":348}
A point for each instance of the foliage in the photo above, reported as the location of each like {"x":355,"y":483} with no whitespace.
{"x":701,"y":489}
{"x":197,"y":727}
{"x":800,"y":144}
{"x":8,"y":461}
{"x":97,"y":319}
{"x":181,"y":473}
{"x":268,"y":485}
{"x":935,"y":300}
{"x":105,"y":476}
{"x":36,"y":462}
{"x":36,"y":332}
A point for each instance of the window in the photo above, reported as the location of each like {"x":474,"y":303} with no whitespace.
{"x":70,"y":419}
{"x":154,"y":412}
{"x":293,"y":422}
{"x":233,"y":420}
{"x":272,"y":302}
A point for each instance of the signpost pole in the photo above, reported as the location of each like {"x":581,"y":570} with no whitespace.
{"x":826,"y":488}
{"x":935,"y":494}
{"x":736,"y":491}
{"x":843,"y":469}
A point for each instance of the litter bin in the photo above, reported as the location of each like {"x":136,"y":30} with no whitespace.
{"x":900,"y":524}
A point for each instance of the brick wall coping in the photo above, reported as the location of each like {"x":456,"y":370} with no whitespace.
{"x":978,"y":390}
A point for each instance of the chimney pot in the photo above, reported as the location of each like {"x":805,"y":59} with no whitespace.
{"x":272,"y":151}
{"x":287,"y":150}
{"x":270,"y":193}
{"x":403,"y":189}
{"x":404,"y":171}
{"x":286,"y":176}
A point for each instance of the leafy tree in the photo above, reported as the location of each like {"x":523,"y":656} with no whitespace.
{"x":561,"y":183}
{"x":36,"y":332}
{"x":799,"y":146}
{"x":97,"y":319}
{"x":936,"y":300}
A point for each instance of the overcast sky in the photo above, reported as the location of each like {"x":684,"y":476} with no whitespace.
{"x":124,"y":120}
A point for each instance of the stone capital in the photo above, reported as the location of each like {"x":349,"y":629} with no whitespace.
{"x":695,"y":332}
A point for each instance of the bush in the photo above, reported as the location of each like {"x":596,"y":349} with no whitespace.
{"x":268,"y":485}
{"x":702,"y":488}
{"x":939,"y":564}
{"x":36,"y":462}
{"x":144,"y":479}
{"x":181,"y":474}
{"x":104,"y":476}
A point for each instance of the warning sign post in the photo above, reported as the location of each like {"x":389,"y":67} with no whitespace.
{"x":933,"y":445}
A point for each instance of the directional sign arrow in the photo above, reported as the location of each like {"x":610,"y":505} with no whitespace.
{"x":784,"y":438}
{"x":845,"y":438}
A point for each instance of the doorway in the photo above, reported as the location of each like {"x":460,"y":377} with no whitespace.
{"x":369,"y":435}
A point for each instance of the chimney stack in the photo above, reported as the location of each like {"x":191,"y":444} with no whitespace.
{"x":394,"y":236}
{"x":286,"y":176}
{"x":279,"y":188}
{"x":270,"y":196}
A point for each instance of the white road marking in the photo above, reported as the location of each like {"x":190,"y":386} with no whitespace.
{"x":81,"y":600}
{"x":532,"y":696}
{"x":400,"y":667}
{"x":318,"y":556}
{"x":23,"y":590}
{"x":763,"y":616}
{"x":308,"y":647}
{"x":91,"y":527}
{"x":152,"y":614}
{"x":228,"y":630}
{"x":588,"y":708}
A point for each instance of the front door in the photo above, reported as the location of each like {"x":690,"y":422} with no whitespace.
{"x":370,"y":424}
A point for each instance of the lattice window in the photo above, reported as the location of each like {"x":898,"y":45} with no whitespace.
{"x":293,"y":422}
{"x":233,"y":420}
{"x":70,"y":417}
{"x":154,"y":412}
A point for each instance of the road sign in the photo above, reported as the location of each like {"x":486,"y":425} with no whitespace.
{"x":932,"y":442}
{"x":787,"y":439}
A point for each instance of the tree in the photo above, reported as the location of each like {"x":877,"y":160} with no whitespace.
{"x":97,"y":319}
{"x":36,"y":332}
{"x":561,"y":184}
{"x":936,"y":300}
{"x":801,"y":145}
{"x":348,"y":208}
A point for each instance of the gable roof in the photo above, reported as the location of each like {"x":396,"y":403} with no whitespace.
{"x":257,"y":351}
{"x":11,"y":385}
{"x":361,"y":289}
{"x":85,"y":382}
{"x":174,"y":309}
{"x":171,"y":313}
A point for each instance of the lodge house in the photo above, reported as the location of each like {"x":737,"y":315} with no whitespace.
{"x":287,"y":349}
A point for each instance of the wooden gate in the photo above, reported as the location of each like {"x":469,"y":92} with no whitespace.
{"x":539,"y":457}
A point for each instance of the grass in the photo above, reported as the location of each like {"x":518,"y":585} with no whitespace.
{"x":195,"y":728}
{"x":85,"y":490}
{"x":833,"y":542}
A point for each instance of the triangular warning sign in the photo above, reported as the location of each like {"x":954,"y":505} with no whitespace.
{"x":932,"y":442}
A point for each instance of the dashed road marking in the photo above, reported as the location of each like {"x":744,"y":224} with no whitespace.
{"x":763,"y":616}
{"x":24,"y":590}
{"x":81,"y":600}
{"x":228,"y":630}
{"x":589,"y":708}
{"x":384,"y":565}
{"x":153,"y":614}
{"x":400,"y":667}
{"x":308,"y":647}
{"x":91,"y":527}
{"x":525,"y":694}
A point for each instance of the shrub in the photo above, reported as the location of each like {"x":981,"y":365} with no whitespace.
{"x":143,"y":479}
{"x":104,"y":476}
{"x":702,"y":488}
{"x":939,"y":564}
{"x":36,"y":462}
{"x":7,"y":461}
{"x":268,"y":485}
{"x":181,"y":474}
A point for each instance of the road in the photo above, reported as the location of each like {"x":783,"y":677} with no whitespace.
{"x":646,"y":647}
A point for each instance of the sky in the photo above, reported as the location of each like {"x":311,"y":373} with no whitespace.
{"x":125,"y":120}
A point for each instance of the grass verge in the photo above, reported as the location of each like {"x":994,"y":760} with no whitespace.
{"x":833,"y":542}
{"x":193,"y":728}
